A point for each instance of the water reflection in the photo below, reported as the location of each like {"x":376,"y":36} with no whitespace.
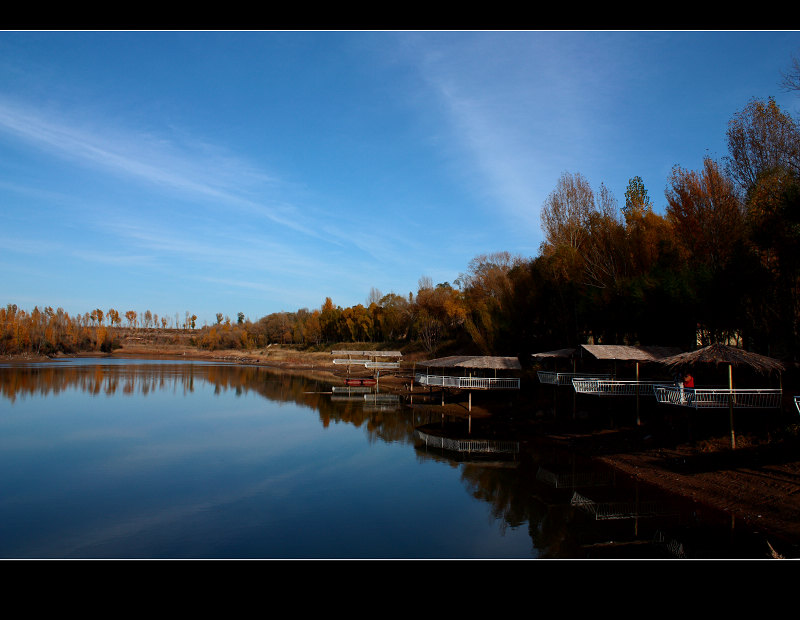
{"x":564,"y":506}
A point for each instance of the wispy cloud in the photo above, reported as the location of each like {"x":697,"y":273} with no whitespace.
{"x":193,"y":171}
{"x":516,"y":104}
{"x":198,"y":172}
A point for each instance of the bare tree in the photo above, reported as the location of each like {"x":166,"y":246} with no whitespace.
{"x":374,"y":297}
{"x":566,"y":211}
{"x":791,"y":77}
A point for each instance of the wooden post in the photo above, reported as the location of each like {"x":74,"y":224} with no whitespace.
{"x":574,"y":393}
{"x":638,"y":419}
{"x":730,"y":404}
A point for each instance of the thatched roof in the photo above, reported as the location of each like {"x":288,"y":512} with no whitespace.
{"x":560,"y":353}
{"x":474,"y":361}
{"x":724,"y":354}
{"x":629,"y":353}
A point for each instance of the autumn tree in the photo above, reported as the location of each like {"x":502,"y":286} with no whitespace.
{"x":605,"y":254}
{"x":113,"y":317}
{"x":764,"y":161}
{"x":637,"y":202}
{"x":762,"y":142}
{"x":707,"y":216}
{"x":395,"y":317}
{"x":565,"y":213}
{"x":130,"y":315}
{"x":705,"y":212}
{"x":485,"y":286}
{"x":329,"y":319}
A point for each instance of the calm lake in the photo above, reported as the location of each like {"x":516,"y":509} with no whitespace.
{"x":120,"y":458}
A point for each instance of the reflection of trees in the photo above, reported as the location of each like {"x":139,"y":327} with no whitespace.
{"x":511,"y":490}
{"x":136,"y":378}
{"x":518,"y":498}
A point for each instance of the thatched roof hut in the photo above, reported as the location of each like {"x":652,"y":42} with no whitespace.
{"x":629,"y":353}
{"x":726,"y":355}
{"x":485,"y":362}
{"x":729,"y":356}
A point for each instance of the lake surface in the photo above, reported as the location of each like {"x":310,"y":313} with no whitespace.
{"x":120,"y":458}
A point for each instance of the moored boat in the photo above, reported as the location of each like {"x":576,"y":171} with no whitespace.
{"x":360,"y":381}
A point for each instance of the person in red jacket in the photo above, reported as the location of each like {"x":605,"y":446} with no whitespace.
{"x":687,"y":383}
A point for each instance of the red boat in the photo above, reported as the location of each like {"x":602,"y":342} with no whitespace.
{"x":360,"y":381}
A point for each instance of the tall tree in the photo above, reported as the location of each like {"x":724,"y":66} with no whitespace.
{"x":706,"y":213}
{"x":762,"y":141}
{"x":566,"y":211}
{"x":637,"y":202}
{"x":130,"y":315}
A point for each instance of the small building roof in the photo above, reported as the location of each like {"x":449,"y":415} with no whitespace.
{"x":474,"y":361}
{"x":629,"y":353}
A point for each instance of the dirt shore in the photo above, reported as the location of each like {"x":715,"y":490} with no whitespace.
{"x":758,"y":483}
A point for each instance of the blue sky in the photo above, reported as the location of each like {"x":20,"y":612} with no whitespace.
{"x":258,"y":172}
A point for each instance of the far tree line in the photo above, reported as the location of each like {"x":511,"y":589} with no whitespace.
{"x":721,"y":264}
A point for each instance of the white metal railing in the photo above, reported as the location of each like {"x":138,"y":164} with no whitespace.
{"x":470,"y":383}
{"x":797,"y":403}
{"x":614,"y":387}
{"x":368,"y":353}
{"x":352,"y":389}
{"x":381,"y":398}
{"x":575,"y":479}
{"x":617,"y":510}
{"x":350,"y":362}
{"x":381,"y":365}
{"x":717,"y":398}
{"x":565,"y":378}
{"x":468,"y":445}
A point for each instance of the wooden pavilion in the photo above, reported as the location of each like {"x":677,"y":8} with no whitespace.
{"x":470,"y":372}
{"x":720,"y":398}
